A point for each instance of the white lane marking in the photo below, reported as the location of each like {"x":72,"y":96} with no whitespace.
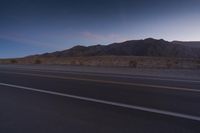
{"x":113,"y":75}
{"x":141,"y":108}
{"x":109,"y":82}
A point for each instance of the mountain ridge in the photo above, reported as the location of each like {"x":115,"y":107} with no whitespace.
{"x":147,"y":47}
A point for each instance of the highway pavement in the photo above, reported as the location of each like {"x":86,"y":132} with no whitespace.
{"x":52,"y":101}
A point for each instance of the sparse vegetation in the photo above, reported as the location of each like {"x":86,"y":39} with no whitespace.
{"x":176,"y":62}
{"x":168,"y":63}
{"x":13,"y":61}
{"x":37,"y":61}
{"x":112,"y":61}
{"x":133,"y":63}
{"x":198,"y":62}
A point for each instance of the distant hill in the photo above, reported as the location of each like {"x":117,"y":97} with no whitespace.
{"x":148,"y":47}
{"x":148,"y":53}
{"x":195,"y":44}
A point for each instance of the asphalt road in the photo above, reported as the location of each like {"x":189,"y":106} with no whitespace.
{"x":39,"y":101}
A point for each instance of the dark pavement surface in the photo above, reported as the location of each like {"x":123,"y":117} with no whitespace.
{"x":35,"y":112}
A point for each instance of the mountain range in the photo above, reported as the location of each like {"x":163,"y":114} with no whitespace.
{"x":148,"y":47}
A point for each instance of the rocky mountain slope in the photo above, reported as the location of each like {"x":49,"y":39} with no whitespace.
{"x":148,"y":47}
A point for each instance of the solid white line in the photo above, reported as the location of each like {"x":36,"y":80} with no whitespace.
{"x":107,"y":82}
{"x":141,"y":108}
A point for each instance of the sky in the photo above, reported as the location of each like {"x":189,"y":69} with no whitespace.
{"x":30,"y":27}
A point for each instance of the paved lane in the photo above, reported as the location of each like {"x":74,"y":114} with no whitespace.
{"x":23,"y":110}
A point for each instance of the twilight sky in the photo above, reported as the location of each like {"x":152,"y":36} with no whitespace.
{"x":37,"y":26}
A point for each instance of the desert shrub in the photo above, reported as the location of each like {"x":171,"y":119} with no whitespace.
{"x":176,"y":62}
{"x":133,"y":63}
{"x":198,"y":64}
{"x":13,"y":61}
{"x":169,"y":64}
{"x":73,"y":62}
{"x":37,"y":61}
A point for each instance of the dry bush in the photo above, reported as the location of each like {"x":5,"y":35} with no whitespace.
{"x":13,"y":61}
{"x":37,"y":61}
{"x":133,"y":63}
